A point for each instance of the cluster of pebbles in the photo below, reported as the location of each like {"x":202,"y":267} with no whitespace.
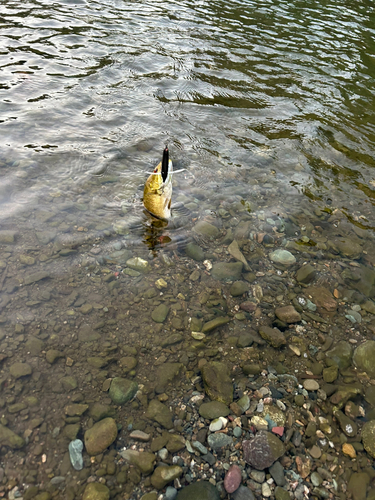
{"x":238,"y":365}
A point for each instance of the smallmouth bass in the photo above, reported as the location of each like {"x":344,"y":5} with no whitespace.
{"x":157,"y":194}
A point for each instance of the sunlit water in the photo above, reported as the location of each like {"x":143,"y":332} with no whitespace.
{"x":267,"y":104}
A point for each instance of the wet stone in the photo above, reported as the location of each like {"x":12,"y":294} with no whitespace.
{"x":213,"y":409}
{"x":364,"y":356}
{"x":7,"y":236}
{"x":225,"y":271}
{"x":306,"y":274}
{"x":202,"y":490}
{"x":18,"y":370}
{"x":165,"y":474}
{"x":368,"y":437}
{"x":357,"y":485}
{"x":122,"y":390}
{"x":206,"y":229}
{"x":96,"y":491}
{"x":282,"y":257}
{"x":310,"y":385}
{"x":330,"y":374}
{"x":238,"y":288}
{"x":348,"y":426}
{"x":281,"y":494}
{"x":273,"y":336}
{"x":75,"y":454}
{"x":232,"y":479}
{"x":288,"y":314}
{"x":100,"y":436}
{"x":52,"y":355}
{"x":10,"y":439}
{"x":160,"y":413}
{"x":341,"y":354}
{"x":262,"y":451}
{"x":215,"y":323}
{"x":277,"y":472}
{"x":219,"y":440}
{"x":217,"y":382}
{"x":139,"y":265}
{"x":160,"y":313}
{"x":194,"y":251}
{"x":35,"y":277}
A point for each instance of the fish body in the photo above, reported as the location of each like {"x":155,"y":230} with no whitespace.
{"x":157,"y":194}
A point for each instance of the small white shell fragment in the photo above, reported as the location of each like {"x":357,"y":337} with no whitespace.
{"x":207,"y":264}
{"x":198,"y":335}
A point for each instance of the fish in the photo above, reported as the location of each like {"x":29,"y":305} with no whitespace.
{"x":157,"y":193}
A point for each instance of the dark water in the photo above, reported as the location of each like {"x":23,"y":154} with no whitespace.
{"x":268,"y":107}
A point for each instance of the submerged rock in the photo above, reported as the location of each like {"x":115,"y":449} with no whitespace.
{"x":306,"y":274}
{"x":262,"y":451}
{"x":213,"y":409}
{"x":160,"y":313}
{"x":75,"y":454}
{"x":164,"y":474}
{"x":217,"y":382}
{"x":232,"y":479}
{"x":100,"y":436}
{"x":364,"y":357}
{"x":282,"y":257}
{"x":122,"y":390}
{"x":194,"y":251}
{"x":341,"y":354}
{"x":368,"y":437}
{"x":273,"y":336}
{"x":206,"y":229}
{"x":227,"y":271}
{"x":10,"y":439}
{"x":160,"y":413}
{"x":288,"y":314}
{"x":96,"y":491}
{"x":201,"y":490}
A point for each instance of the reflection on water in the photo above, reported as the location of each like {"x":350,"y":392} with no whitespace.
{"x":268,"y":109}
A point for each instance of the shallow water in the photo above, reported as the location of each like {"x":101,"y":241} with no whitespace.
{"x":267,"y":106}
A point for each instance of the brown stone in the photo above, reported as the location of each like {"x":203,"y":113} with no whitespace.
{"x":288,"y":314}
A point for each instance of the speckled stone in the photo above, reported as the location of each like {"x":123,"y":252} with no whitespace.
{"x":262,"y":451}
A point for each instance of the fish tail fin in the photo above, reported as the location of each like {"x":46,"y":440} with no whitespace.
{"x":165,"y":163}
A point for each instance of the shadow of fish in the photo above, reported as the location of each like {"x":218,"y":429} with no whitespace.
{"x":157,"y":194}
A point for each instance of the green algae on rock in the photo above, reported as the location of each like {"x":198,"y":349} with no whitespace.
{"x":217,"y":382}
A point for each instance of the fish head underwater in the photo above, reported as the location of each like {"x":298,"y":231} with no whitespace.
{"x":157,"y":194}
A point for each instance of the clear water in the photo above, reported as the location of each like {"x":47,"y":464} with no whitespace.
{"x":266,"y":105}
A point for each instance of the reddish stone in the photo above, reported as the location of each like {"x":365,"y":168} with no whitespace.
{"x":232,"y":479}
{"x":278,"y":430}
{"x":248,"y":306}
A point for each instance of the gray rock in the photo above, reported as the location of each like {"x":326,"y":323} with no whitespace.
{"x":139,"y":265}
{"x":277,"y":472}
{"x":201,"y":490}
{"x":75,"y":454}
{"x":194,"y":251}
{"x":306,"y":274}
{"x":238,"y":288}
{"x":217,"y":441}
{"x":35,"y":277}
{"x":282,"y":257}
{"x":7,"y":236}
{"x":227,"y":271}
{"x":206,"y":229}
{"x":243,"y":493}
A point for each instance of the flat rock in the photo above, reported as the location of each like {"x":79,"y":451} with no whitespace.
{"x":306,"y":274}
{"x":139,"y":265}
{"x":206,"y":229}
{"x":235,"y":252}
{"x":194,"y":251}
{"x":18,"y":370}
{"x":7,"y":236}
{"x":201,"y":490}
{"x":288,"y":314}
{"x":227,"y":271}
{"x":10,"y":439}
{"x":100,"y":436}
{"x":341,"y":354}
{"x":160,"y":413}
{"x":217,"y":382}
{"x":243,"y":493}
{"x":213,"y":409}
{"x":273,"y":336}
{"x":215,"y":323}
{"x":322,"y":298}
{"x":219,"y":440}
{"x":238,"y":288}
{"x":166,"y":373}
{"x":164,"y":474}
{"x":35,"y":277}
